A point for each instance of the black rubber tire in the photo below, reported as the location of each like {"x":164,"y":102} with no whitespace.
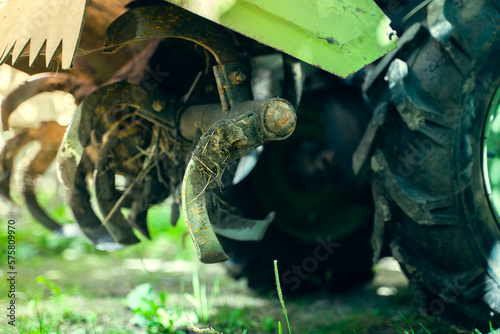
{"x":422,"y":152}
{"x":328,"y":265}
{"x":312,"y":257}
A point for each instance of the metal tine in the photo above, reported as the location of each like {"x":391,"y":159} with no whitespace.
{"x":42,"y":83}
{"x":106,"y":194}
{"x":34,"y":85}
{"x":7,"y":156}
{"x":138,"y":218}
{"x":148,"y":190}
{"x":37,"y":167}
{"x":153,"y":192}
{"x":79,"y":201}
{"x":50,"y":135}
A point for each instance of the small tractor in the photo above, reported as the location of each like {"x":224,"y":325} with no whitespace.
{"x":305,"y":131}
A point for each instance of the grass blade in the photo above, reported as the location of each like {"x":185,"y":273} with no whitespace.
{"x":280,"y":295}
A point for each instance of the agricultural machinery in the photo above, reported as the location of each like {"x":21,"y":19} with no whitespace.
{"x":323,"y":134}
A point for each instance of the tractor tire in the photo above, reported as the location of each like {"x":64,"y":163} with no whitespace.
{"x":323,"y":216}
{"x":425,"y":156}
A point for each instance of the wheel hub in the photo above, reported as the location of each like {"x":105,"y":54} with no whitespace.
{"x":491,"y":155}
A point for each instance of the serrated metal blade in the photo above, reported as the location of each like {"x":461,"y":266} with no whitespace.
{"x":34,"y":23}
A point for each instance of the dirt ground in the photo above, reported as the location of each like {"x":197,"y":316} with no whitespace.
{"x":66,"y":286}
{"x":95,"y":288}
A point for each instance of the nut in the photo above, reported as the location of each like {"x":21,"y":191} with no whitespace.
{"x":237,"y":77}
{"x":158,"y":105}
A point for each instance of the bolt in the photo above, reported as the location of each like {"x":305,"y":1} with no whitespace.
{"x":280,"y":118}
{"x":237,"y":77}
{"x":158,"y":105}
{"x":392,"y":33}
{"x":242,"y":142}
{"x":375,"y":164}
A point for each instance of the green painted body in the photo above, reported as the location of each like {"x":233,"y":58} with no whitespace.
{"x":339,"y":36}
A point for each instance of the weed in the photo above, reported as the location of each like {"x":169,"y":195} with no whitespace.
{"x":268,"y":324}
{"x":404,"y":331}
{"x":202,"y":330}
{"x":280,"y":295}
{"x":202,"y":304}
{"x":424,"y":330}
{"x":151,"y":311}
{"x":237,"y":320}
{"x":492,"y":330}
{"x":54,"y":288}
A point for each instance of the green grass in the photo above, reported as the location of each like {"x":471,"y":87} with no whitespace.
{"x":52,"y":311}
{"x":67,"y":286}
{"x":280,"y":295}
{"x":404,"y":331}
{"x":200,"y":300}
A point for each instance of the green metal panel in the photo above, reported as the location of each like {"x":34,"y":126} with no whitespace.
{"x":340,"y":36}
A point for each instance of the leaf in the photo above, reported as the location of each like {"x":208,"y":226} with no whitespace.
{"x":235,"y":315}
{"x":141,"y":297}
{"x":268,"y":324}
{"x":192,"y":300}
{"x":139,"y":320}
{"x":425,"y":329}
{"x":56,"y":291}
{"x":401,"y":328}
{"x":163,"y":298}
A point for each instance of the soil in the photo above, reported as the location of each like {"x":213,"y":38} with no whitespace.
{"x":95,"y":287}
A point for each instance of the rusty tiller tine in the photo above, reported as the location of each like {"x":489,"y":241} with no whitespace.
{"x":104,"y":184}
{"x":40,"y":83}
{"x":50,"y":135}
{"x":138,"y":218}
{"x":7,"y":156}
{"x":79,"y":201}
{"x":153,"y":192}
{"x":89,"y":114}
{"x":37,"y":167}
{"x":237,"y":227}
{"x":104,"y":179}
{"x":226,"y":140}
{"x":140,"y":205}
{"x":34,"y":85}
{"x":106,"y":194}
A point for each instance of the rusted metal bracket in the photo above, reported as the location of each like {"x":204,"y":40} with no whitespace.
{"x":233,"y":83}
{"x":167,"y":20}
{"x":225,"y":141}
